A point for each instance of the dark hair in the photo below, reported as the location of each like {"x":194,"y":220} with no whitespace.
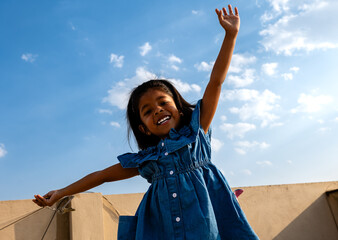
{"x":133,"y":115}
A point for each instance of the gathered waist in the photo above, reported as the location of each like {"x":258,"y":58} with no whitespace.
{"x":175,"y":172}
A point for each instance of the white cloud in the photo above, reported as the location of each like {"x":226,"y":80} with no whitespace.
{"x":105,"y":111}
{"x":269,"y":68}
{"x":287,"y":76}
{"x":323,"y":130}
{"x":303,"y":28}
{"x":294,"y":69}
{"x":174,"y":59}
{"x":311,"y":104}
{"x":197,"y":12}
{"x":3,"y":151}
{"x":259,"y":106}
{"x":246,"y":78}
{"x":183,"y":87}
{"x":237,"y":130}
{"x":204,"y":66}
{"x":144,"y":50}
{"x":29,"y":57}
{"x":115,"y":124}
{"x":175,"y":67}
{"x":239,"y":62}
{"x":336,"y":119}
{"x":247,"y":172}
{"x":118,"y":95}
{"x":216,"y":144}
{"x":242,"y":147}
{"x":264,"y":163}
{"x":116,"y":60}
{"x":279,"y":5}
{"x":223,"y":118}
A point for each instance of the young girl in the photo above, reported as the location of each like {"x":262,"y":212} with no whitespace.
{"x":188,"y":197}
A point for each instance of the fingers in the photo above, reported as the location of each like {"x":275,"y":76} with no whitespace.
{"x":230,"y":10}
{"x":236,"y":11}
{"x":225,"y":13}
{"x":40,"y":201}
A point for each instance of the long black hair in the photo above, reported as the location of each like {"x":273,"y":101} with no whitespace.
{"x":133,"y":116}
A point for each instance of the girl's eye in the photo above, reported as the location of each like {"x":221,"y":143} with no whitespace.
{"x":163,"y":103}
{"x":147,"y":112}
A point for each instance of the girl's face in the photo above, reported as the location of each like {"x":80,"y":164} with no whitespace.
{"x":158,"y":113}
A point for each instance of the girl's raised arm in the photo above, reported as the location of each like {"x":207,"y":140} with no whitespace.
{"x":230,"y":22}
{"x":110,"y":174}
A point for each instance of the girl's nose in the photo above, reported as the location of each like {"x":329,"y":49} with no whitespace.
{"x":158,"y":110}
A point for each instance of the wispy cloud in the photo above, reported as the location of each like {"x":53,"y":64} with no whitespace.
{"x":237,"y":130}
{"x":118,"y":95}
{"x":264,"y":163}
{"x":29,"y":57}
{"x":3,"y":151}
{"x":145,"y":49}
{"x":259,"y":106}
{"x":115,"y":124}
{"x":204,"y":66}
{"x":240,"y":62}
{"x":269,"y":68}
{"x":216,"y":144}
{"x":311,"y":104}
{"x":242,"y":147}
{"x":116,"y":60}
{"x":105,"y":111}
{"x":241,"y":74}
{"x":245,"y":79}
{"x":289,"y":76}
{"x":246,"y":172}
{"x":172,"y":59}
{"x":293,"y":25}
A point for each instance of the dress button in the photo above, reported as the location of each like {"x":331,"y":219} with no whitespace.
{"x":162,"y":144}
{"x":171,"y":172}
{"x":174,"y":195}
{"x":166,"y":154}
{"x":178,"y":219}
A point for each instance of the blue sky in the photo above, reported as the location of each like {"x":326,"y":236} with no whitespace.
{"x":66,"y":68}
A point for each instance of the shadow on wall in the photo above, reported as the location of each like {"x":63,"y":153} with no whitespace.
{"x":41,"y":226}
{"x":317,"y":222}
{"x":36,"y":225}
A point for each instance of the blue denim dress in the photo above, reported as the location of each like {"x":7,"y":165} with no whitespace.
{"x":188,"y":198}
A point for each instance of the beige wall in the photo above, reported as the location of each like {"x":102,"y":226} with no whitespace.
{"x":294,"y":211}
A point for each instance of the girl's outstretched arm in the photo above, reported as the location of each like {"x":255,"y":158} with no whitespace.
{"x":113,"y":173}
{"x":230,"y":22}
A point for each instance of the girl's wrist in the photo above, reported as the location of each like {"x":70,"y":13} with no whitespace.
{"x":231,"y":34}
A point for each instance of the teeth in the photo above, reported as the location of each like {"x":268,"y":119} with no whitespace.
{"x":162,"y":120}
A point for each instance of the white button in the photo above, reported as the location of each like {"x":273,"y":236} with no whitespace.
{"x":178,"y":219}
{"x":166,"y":154}
{"x":171,"y":172}
{"x":162,"y":144}
{"x":174,"y":195}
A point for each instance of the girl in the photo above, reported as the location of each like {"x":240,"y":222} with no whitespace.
{"x":188,"y":197}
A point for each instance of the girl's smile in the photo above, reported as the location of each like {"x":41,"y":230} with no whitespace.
{"x":158,"y":113}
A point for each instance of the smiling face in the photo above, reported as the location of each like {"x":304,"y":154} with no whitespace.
{"x":158,"y":113}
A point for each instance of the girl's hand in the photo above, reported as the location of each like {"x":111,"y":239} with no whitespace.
{"x":229,"y":21}
{"x":49,"y":199}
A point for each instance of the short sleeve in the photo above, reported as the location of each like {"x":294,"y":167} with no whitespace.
{"x":195,"y":120}
{"x":134,"y":160}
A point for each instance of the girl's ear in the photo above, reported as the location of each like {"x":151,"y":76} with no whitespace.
{"x":144,"y":129}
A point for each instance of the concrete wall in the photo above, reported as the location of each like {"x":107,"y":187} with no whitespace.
{"x":294,"y":211}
